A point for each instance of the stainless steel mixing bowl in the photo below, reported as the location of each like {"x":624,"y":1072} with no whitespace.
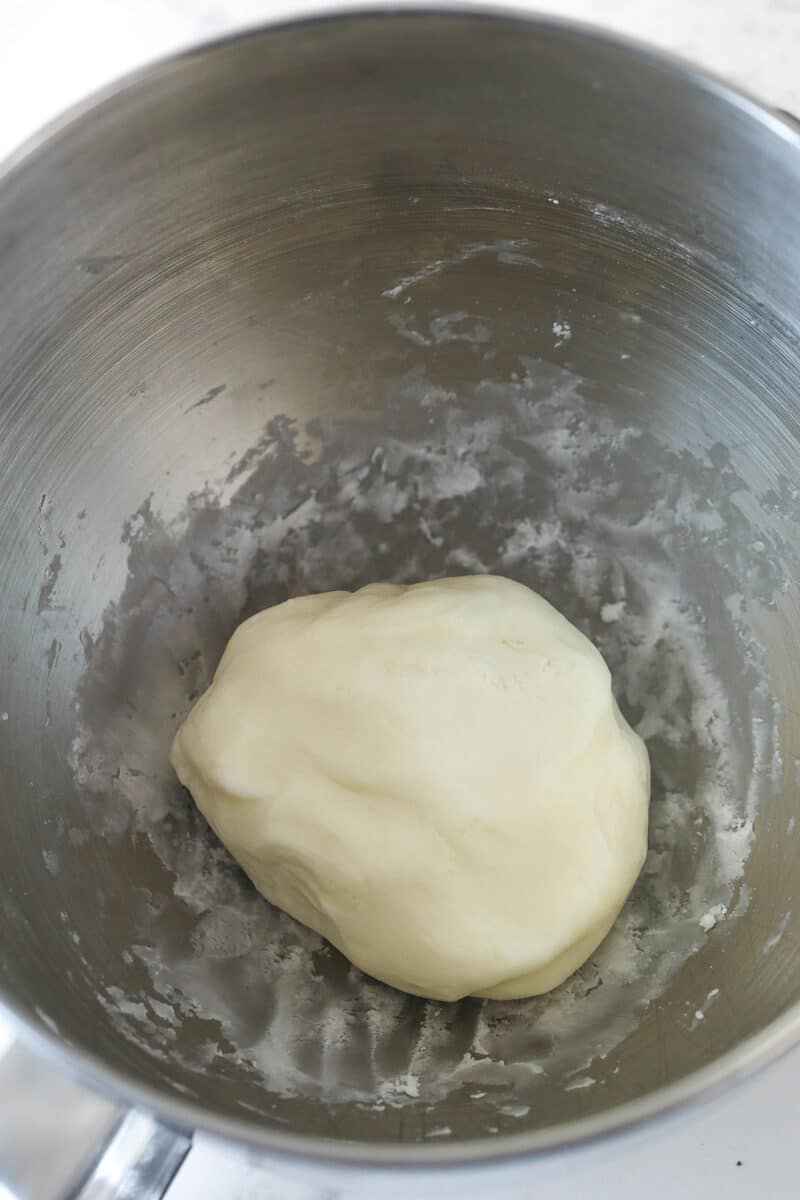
{"x":394,"y":296}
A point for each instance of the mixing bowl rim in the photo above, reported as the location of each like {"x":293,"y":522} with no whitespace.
{"x":88,"y":1068}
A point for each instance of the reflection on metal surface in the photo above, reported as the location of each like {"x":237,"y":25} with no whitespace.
{"x":58,"y":1140}
{"x":139,"y":1162}
{"x":397,"y":296}
{"x":51,"y":1130}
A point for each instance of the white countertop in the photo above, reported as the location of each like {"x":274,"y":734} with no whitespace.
{"x":52,"y":53}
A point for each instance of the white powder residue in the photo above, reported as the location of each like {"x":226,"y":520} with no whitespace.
{"x":743,"y":902}
{"x":405,"y":1085}
{"x":711,"y":918}
{"x":425,"y":529}
{"x":50,"y":861}
{"x":735,"y":605}
{"x":700,"y":1013}
{"x":529,"y":477}
{"x":562,"y":332}
{"x":775,"y":937}
{"x":515,"y":1110}
{"x":582,"y":1081}
{"x":455,"y":327}
{"x":448,"y":327}
{"x":504,"y":250}
{"x":612,"y":612}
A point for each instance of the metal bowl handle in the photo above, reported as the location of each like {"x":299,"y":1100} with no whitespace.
{"x":59,"y":1141}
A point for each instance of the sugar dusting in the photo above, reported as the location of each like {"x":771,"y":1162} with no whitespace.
{"x":529,"y":477}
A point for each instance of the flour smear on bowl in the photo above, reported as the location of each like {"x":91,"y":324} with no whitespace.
{"x":532,"y":477}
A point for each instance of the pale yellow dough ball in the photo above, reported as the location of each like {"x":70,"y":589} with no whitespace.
{"x":435,"y":778}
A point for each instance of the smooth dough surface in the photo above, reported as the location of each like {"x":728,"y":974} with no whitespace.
{"x":436,"y":778}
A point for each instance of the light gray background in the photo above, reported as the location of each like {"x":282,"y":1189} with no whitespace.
{"x":54,"y":52}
